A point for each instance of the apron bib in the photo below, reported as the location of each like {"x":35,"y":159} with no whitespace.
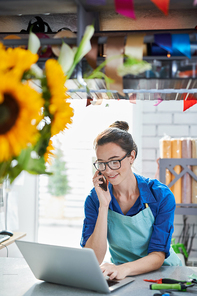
{"x":129,"y":237}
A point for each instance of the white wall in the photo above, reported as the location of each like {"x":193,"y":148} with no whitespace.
{"x":22,"y":210}
{"x":167,"y":118}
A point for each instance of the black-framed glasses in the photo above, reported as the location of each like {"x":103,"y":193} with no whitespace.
{"x":112,"y":164}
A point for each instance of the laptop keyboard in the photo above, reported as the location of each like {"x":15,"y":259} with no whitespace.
{"x":4,"y":237}
{"x":111,"y":282}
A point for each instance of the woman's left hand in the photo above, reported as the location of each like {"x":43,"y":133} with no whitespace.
{"x":118,"y":272}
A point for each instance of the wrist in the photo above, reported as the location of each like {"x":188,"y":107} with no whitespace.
{"x":103,"y":208}
{"x":129,"y":269}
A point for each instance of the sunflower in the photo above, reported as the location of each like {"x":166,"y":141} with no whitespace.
{"x":3,"y":58}
{"x":20,"y":112}
{"x":17,"y":60}
{"x":60,"y":110}
{"x":48,"y":154}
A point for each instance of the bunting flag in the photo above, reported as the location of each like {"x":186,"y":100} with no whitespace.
{"x":158,"y":102}
{"x":125,"y":7}
{"x":189,"y":101}
{"x":164,"y":41}
{"x":14,"y":37}
{"x":181,"y":43}
{"x":159,"y":99}
{"x":89,"y":100}
{"x":163,"y":5}
{"x":132,"y":98}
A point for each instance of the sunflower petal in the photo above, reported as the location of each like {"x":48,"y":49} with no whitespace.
{"x":23,"y":130}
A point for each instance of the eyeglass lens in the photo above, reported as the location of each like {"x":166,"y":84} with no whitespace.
{"x":114,"y":164}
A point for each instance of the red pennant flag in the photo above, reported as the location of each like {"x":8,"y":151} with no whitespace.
{"x":89,"y":100}
{"x":189,"y":101}
{"x":125,"y":7}
{"x":163,"y":5}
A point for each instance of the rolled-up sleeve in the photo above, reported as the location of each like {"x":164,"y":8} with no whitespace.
{"x":91,"y":213}
{"x":163,"y":226}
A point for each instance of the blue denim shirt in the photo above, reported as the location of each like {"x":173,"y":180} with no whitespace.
{"x":161,"y":202}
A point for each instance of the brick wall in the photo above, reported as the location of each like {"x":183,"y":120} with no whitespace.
{"x":167,"y":118}
{"x":164,"y":119}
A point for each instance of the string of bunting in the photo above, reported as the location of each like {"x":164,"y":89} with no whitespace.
{"x":176,"y":44}
{"x":173,"y":44}
{"x":126,"y":7}
{"x":165,"y":43}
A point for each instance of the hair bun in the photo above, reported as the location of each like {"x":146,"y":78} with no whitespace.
{"x":123,"y":125}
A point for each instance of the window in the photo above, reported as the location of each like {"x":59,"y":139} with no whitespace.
{"x":61,"y":218}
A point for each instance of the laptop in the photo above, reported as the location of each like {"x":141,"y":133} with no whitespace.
{"x":76,"y":267}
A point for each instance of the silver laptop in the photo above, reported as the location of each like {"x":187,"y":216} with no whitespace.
{"x":76,"y":267}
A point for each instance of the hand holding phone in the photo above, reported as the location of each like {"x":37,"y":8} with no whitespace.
{"x":104,"y":184}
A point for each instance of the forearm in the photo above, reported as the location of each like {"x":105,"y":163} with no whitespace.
{"x":152,"y":261}
{"x":98,"y":240}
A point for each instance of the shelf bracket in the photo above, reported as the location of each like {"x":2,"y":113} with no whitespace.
{"x":170,"y":163}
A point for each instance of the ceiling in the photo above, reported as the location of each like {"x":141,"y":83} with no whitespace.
{"x":14,"y":7}
{"x":182,"y":15}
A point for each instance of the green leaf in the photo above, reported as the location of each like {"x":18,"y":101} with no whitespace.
{"x":14,"y":172}
{"x":33,"y":42}
{"x":25,"y":162}
{"x":133,"y":66}
{"x":4,"y":168}
{"x":43,"y":142}
{"x":29,"y":161}
{"x":97,"y":73}
{"x":23,"y":158}
{"x":36,"y":166}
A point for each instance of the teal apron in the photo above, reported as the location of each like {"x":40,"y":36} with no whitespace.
{"x":129,"y":237}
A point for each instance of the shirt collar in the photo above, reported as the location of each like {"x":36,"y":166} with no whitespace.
{"x":144,"y":189}
{"x":146,"y":195}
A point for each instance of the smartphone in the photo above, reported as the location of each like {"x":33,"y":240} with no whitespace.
{"x":104,"y":184}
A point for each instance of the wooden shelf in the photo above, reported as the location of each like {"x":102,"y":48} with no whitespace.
{"x":170,"y":163}
{"x":12,"y":239}
{"x":186,"y":209}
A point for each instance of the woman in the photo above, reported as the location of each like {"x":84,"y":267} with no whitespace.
{"x":135,"y":214}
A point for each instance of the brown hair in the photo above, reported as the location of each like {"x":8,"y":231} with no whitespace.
{"x":117,"y":133}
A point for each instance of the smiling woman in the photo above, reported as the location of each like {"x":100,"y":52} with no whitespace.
{"x":134,"y":215}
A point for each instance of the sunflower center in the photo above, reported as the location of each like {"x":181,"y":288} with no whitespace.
{"x":9,"y":111}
